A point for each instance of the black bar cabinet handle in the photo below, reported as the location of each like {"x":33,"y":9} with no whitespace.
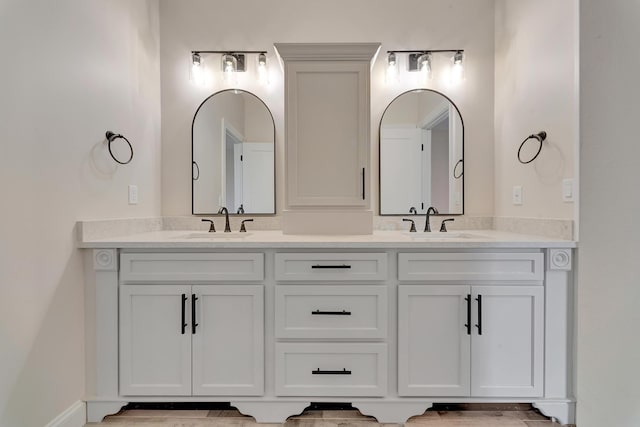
{"x":193,"y":313}
{"x":319,"y":372}
{"x":479,"y":324}
{"x":183,"y":323}
{"x":333,"y":313}
{"x":363,"y":193}
{"x":468,"y":324}
{"x":331,"y":266}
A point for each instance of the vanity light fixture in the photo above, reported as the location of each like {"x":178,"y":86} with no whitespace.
{"x":392,"y":75}
{"x":422,"y":61}
{"x":457,"y":67}
{"x":263,"y":72}
{"x":230,"y":68}
{"x":197,"y":69}
{"x":232,"y":62}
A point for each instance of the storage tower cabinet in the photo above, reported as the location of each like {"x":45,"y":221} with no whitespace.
{"x":391,"y":331}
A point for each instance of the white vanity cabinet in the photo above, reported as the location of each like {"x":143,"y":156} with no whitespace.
{"x":338,"y":301}
{"x":473,"y":341}
{"x":471,"y":324}
{"x":176,"y":340}
{"x":184,"y":340}
{"x":390,"y":327}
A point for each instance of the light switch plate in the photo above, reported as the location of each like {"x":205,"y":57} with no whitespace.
{"x":517,"y":195}
{"x":133,"y":194}
{"x":567,"y":190}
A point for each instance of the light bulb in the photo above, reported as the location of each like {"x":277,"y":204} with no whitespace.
{"x":424,"y":62}
{"x":392,"y":76}
{"x":229,"y":67}
{"x":263,"y":72}
{"x":197,"y":69}
{"x":457,"y":68}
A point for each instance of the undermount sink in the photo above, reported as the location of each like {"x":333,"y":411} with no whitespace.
{"x":216,"y":235}
{"x":439,"y":235}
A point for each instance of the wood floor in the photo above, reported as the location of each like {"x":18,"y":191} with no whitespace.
{"x":511,"y":416}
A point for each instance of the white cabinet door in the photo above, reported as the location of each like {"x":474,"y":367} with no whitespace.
{"x":155,"y":344}
{"x":433,"y":341}
{"x":327,"y":132}
{"x":228,"y":343}
{"x":507,"y":343}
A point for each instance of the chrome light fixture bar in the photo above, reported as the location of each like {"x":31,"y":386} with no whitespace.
{"x":237,"y":57}
{"x":422,"y":62}
{"x":418,"y":57}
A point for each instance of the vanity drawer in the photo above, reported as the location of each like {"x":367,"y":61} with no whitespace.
{"x":331,"y":266}
{"x":191,"y":267}
{"x":331,"y":311}
{"x":470,"y":266}
{"x":331,"y":369}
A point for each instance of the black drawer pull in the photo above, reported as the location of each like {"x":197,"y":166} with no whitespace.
{"x":194,"y":325}
{"x":319,"y":372}
{"x":333,"y":313}
{"x":184,"y":325}
{"x":331,"y":266}
{"x":468,"y":324}
{"x":479,"y":324}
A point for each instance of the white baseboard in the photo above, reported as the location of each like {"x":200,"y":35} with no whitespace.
{"x":74,"y":416}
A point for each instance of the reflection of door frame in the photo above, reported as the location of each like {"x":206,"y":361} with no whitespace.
{"x":433,"y":119}
{"x":226,"y":127}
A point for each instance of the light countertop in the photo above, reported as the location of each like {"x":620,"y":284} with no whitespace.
{"x":458,"y":239}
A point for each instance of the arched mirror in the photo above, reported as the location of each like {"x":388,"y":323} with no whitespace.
{"x":421,"y":155}
{"x":233,"y":144}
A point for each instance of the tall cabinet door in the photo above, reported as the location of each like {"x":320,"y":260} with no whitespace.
{"x":507,"y":341}
{"x":433,"y":340}
{"x":228,"y":340}
{"x":327,"y":105}
{"x":155,"y":344}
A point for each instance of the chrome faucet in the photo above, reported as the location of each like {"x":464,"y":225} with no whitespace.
{"x":227,"y":227}
{"x":431,"y":210}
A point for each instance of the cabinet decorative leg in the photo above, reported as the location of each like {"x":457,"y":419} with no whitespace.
{"x":96,"y":411}
{"x":392,"y":412}
{"x":270,"y":412}
{"x":563,"y":411}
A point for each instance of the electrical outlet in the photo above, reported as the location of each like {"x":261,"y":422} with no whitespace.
{"x":133,"y":194}
{"x":517,"y":195}
{"x":567,"y":190}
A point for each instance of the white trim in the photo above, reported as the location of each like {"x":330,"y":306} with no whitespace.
{"x":435,"y":117}
{"x":74,"y":416}
{"x":327,"y":51}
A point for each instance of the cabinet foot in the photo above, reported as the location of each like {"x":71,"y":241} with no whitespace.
{"x":563,"y":411}
{"x":96,"y":411}
{"x":392,"y":412}
{"x":270,"y":412}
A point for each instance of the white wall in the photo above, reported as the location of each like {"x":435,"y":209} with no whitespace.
{"x":72,"y":69}
{"x":419,"y":24}
{"x":535,"y":89}
{"x":608,"y":289}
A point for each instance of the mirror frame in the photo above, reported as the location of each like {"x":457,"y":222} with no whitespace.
{"x":193,"y":121}
{"x":380,"y":148}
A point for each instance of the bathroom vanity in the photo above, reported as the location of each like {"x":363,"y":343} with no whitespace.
{"x":388,"y":322}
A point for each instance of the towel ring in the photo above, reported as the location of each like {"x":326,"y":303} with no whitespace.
{"x":540,"y":137}
{"x":112,"y":137}
{"x":455,"y":168}
{"x":197,"y":177}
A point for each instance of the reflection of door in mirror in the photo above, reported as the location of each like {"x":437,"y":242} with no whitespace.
{"x":421,"y":139}
{"x":233,"y":140}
